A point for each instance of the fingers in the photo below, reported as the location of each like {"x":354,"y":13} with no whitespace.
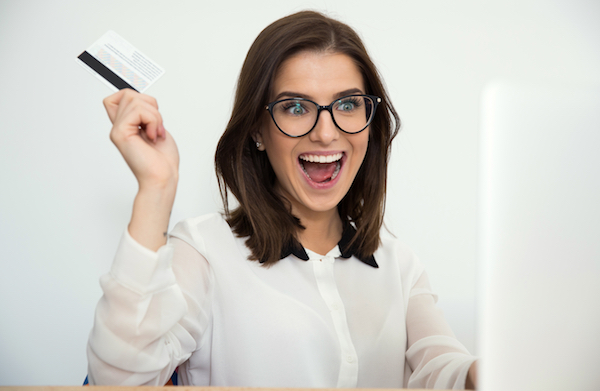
{"x":162,"y":132}
{"x":111,"y":104}
{"x":133,"y":114}
{"x":124,"y":97}
{"x":139,"y":115}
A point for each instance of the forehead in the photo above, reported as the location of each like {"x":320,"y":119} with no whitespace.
{"x":318,"y":74}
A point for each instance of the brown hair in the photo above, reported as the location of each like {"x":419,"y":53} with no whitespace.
{"x":263,"y":216}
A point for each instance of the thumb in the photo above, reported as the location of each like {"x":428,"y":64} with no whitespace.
{"x":111,"y":104}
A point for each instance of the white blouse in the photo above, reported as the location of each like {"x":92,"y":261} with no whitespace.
{"x":200,"y":305}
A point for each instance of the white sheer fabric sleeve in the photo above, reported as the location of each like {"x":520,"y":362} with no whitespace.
{"x":434,"y":354}
{"x":152,"y":315}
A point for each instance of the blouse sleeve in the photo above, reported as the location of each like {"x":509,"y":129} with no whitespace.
{"x":434,"y":354}
{"x":152,"y":315}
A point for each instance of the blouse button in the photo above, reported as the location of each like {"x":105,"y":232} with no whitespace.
{"x":349,"y":358}
{"x":335,"y":306}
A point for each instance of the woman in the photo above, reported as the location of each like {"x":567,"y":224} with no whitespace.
{"x":295,"y":287}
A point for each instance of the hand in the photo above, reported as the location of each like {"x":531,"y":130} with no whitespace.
{"x":139,"y":134}
{"x":472,"y":376}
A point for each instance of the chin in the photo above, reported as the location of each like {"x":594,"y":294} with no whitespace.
{"x":322,"y":203}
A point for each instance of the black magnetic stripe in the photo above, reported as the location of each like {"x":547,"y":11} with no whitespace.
{"x":103,"y":71}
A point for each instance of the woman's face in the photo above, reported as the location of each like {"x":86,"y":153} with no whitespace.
{"x":309,"y":186}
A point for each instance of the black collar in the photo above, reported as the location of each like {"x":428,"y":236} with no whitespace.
{"x":295,"y":248}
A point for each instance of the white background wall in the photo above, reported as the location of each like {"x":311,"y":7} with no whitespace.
{"x":66,"y":194}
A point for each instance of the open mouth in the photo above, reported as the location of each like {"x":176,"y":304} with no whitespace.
{"x":321,"y":168}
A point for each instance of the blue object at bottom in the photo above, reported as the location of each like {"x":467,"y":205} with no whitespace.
{"x":173,"y":379}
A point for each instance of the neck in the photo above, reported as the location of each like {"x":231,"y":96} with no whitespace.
{"x":323,"y":230}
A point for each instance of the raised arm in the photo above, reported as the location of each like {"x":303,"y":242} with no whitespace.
{"x":150,"y":151}
{"x":139,"y":335}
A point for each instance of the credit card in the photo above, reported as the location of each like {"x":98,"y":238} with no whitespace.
{"x":118,"y":64}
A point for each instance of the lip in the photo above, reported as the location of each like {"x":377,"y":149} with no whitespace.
{"x":325,"y":185}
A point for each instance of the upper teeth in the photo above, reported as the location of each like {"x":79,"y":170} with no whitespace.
{"x":322,"y":158}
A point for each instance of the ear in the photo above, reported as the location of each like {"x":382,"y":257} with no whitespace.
{"x":258,"y":141}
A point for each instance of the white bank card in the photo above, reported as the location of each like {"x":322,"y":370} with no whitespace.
{"x":119,"y":64}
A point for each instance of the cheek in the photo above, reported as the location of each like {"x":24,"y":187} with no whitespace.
{"x":362,"y":144}
{"x":280,"y":151}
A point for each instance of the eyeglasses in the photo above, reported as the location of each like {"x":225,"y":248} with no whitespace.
{"x":296,"y":117}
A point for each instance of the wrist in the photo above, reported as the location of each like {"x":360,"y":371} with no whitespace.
{"x":166,"y":187}
{"x":151,"y":214}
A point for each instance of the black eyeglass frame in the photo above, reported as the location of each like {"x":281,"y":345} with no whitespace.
{"x":376,"y":100}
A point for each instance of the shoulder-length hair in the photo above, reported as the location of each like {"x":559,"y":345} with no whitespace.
{"x":262,"y":216}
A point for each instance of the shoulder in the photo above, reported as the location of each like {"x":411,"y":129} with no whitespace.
{"x":198,"y":231}
{"x":394,"y":254}
{"x":200,"y":222}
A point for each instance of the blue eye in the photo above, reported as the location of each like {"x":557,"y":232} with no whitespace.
{"x":294,"y":108}
{"x":348,"y":104}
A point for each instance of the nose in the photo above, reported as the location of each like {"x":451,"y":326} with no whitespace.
{"x":325,"y":131}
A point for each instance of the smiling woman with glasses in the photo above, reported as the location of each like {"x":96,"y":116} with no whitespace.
{"x":296,"y":284}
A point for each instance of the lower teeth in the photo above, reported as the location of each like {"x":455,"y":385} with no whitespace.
{"x":338,"y":166}
{"x":337,"y":171}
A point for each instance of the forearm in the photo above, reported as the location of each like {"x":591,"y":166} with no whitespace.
{"x":436,"y":357}
{"x":150,"y":216}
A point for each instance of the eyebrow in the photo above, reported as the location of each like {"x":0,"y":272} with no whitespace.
{"x":291,"y":94}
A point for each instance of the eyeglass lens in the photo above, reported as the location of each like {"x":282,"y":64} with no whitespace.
{"x":297,"y":117}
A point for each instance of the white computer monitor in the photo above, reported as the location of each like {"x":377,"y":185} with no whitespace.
{"x":539,"y":303}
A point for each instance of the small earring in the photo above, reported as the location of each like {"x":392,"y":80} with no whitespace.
{"x":258,"y":144}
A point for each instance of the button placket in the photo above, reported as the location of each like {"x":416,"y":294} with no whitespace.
{"x":348,"y":375}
